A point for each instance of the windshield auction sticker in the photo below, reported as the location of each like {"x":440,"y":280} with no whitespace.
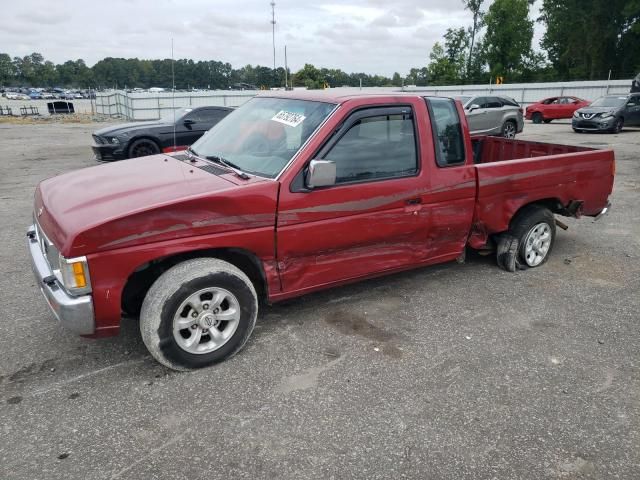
{"x":288,"y":118}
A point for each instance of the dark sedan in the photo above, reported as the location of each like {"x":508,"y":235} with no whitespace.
{"x":608,"y":114}
{"x":139,"y":139}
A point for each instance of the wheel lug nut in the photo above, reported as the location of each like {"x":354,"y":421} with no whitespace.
{"x":193,"y":327}
{"x":205,"y":306}
{"x":194,"y":314}
{"x":216,"y":310}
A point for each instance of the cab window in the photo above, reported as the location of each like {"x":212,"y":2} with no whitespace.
{"x":376,"y":147}
{"x":447,"y":132}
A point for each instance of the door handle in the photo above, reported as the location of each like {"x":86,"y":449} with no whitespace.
{"x":414,"y":201}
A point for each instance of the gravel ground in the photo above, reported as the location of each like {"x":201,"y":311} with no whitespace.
{"x":454,"y":371}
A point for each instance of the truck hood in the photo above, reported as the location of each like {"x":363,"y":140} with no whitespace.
{"x":145,"y":200}
{"x":611,"y":110}
{"x":130,"y":127}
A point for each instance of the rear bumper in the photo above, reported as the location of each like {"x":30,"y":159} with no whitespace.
{"x":74,"y":313}
{"x":603,"y":212}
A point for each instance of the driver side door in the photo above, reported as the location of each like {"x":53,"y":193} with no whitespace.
{"x":633,"y":110}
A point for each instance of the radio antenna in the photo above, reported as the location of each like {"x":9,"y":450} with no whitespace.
{"x":173,"y":95}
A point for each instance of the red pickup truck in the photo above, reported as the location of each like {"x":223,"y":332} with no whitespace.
{"x":292,"y":193}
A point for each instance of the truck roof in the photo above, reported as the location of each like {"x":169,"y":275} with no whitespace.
{"x":337,"y":96}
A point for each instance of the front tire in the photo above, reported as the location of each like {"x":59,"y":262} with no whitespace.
{"x":618,"y":126}
{"x":143,"y":147}
{"x":198,"y":313}
{"x":537,"y":117}
{"x":509,"y":129}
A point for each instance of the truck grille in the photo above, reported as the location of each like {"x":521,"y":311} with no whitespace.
{"x":588,"y":116}
{"x":48,"y":249}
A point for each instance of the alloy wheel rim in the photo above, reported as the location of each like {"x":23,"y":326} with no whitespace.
{"x":206,"y":320}
{"x":509,"y":131}
{"x":537,"y":244}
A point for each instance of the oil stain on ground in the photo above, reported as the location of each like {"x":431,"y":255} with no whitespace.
{"x":354,"y":324}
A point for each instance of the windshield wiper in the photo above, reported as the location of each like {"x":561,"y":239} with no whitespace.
{"x":231,"y":166}
{"x":192,"y":151}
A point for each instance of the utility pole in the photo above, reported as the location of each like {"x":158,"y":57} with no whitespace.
{"x":273,"y":36}
{"x":286,"y":73}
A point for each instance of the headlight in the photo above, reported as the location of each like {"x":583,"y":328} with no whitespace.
{"x":114,"y":140}
{"x":576,"y":114}
{"x":74,"y":275}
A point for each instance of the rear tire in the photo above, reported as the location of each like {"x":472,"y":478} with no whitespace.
{"x":191,"y":301}
{"x":537,"y":117}
{"x":509,"y":129}
{"x":534,"y":227}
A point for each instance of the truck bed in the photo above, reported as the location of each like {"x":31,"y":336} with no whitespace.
{"x":497,"y":149}
{"x":570,"y":180}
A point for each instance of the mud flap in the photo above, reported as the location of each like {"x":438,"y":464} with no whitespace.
{"x":507,"y":252}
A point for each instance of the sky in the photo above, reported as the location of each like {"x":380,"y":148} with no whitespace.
{"x":371,"y":36}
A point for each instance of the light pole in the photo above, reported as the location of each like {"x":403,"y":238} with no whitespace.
{"x":273,"y":36}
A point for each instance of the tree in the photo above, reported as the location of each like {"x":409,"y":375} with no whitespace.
{"x":7,"y":70}
{"x":474,"y":7}
{"x":507,"y":41}
{"x":585,"y":43}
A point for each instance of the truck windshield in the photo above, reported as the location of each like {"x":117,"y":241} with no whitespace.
{"x":264,"y":134}
{"x":609,"y":102}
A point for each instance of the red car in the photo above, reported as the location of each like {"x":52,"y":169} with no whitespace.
{"x":289,"y":194}
{"x":554,"y":108}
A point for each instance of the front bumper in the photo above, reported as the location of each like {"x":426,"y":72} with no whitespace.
{"x":108,"y":152}
{"x":595,"y":124}
{"x":74,"y":313}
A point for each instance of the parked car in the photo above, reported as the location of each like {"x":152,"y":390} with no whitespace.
{"x":292,"y":193}
{"x":493,"y":115}
{"x":138,"y":139}
{"x":608,"y":114}
{"x":48,"y":95}
{"x":554,"y":108}
{"x":13,"y":96}
{"x":35,"y":95}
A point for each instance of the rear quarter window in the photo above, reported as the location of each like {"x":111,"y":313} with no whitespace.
{"x":447,"y":132}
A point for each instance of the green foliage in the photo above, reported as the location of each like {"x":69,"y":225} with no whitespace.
{"x":586,"y":39}
{"x":507,"y":41}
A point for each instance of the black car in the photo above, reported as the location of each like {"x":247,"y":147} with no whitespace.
{"x":608,"y":114}
{"x":131,"y":140}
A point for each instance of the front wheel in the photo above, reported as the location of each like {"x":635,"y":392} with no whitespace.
{"x":618,"y":126}
{"x":509,"y":129}
{"x":537,"y":117}
{"x":198,"y":313}
{"x":143,"y":147}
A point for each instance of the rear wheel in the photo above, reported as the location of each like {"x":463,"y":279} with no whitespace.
{"x":198,"y":313}
{"x":509,"y":129}
{"x":529,"y":240}
{"x":143,"y":147}
{"x":537,"y":117}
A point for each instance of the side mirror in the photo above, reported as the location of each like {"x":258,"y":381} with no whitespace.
{"x":321,"y":173}
{"x":473,"y":107}
{"x":188,"y":122}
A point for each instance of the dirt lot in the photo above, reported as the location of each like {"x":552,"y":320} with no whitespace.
{"x":454,"y":371}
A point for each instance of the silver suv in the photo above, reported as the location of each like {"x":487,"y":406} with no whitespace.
{"x":493,"y":115}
